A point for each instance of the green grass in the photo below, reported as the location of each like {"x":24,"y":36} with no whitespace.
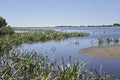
{"x":9,"y":41}
{"x":29,"y":66}
{"x":108,"y":40}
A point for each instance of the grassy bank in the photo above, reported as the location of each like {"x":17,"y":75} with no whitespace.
{"x":8,"y":41}
{"x":29,"y":66}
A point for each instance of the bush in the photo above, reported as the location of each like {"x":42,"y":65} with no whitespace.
{"x":2,"y":22}
{"x":6,"y":30}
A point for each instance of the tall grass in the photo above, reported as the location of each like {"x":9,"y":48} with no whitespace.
{"x":29,"y":66}
{"x":100,"y":41}
{"x":8,"y":41}
{"x":108,"y":40}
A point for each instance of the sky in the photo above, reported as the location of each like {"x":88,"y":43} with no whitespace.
{"x":46,"y":13}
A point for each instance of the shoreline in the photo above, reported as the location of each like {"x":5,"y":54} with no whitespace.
{"x":112,"y":51}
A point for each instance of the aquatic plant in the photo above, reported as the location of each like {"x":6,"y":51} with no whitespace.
{"x":116,"y":40}
{"x":30,"y":66}
{"x":9,"y":41}
{"x":100,"y":41}
{"x":75,"y":42}
{"x":22,"y":66}
{"x":108,"y":40}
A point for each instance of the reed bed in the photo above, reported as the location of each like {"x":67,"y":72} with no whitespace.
{"x":29,"y":66}
{"x":108,"y":40}
{"x":9,"y":41}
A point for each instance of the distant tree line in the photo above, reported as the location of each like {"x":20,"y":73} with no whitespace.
{"x":114,"y":25}
{"x":4,"y":28}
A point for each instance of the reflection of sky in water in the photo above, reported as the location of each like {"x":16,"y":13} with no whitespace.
{"x":72,"y":46}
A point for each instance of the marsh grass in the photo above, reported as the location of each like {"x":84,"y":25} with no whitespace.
{"x":29,"y":66}
{"x":108,"y":40}
{"x":116,"y":40}
{"x":8,"y":41}
{"x":100,"y":41}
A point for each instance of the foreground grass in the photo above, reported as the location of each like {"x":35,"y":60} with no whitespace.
{"x":8,"y":41}
{"x":29,"y":66}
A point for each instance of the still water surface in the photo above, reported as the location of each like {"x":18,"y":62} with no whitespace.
{"x":72,"y":47}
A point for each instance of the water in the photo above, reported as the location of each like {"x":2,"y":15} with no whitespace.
{"x":72,"y":46}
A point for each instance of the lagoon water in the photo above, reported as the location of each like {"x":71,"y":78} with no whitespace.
{"x":71,"y":47}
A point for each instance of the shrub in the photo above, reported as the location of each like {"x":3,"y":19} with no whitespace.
{"x":2,"y":22}
{"x":6,"y":30}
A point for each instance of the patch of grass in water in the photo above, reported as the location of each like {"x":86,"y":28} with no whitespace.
{"x":8,"y":41}
{"x":102,"y":40}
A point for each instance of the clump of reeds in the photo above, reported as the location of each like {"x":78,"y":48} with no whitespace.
{"x":108,"y":40}
{"x":116,"y":40}
{"x":29,"y":66}
{"x":100,"y":41}
{"x":8,"y":41}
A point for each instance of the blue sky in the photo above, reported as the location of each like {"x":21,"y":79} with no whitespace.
{"x":60,"y":12}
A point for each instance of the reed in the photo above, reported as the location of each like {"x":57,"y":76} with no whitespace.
{"x":116,"y":40}
{"x":9,"y":41}
{"x":100,"y":41}
{"x":29,"y":66}
{"x":108,"y":40}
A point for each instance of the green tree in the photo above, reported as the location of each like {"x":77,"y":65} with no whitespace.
{"x":4,"y":29}
{"x":116,"y":24}
{"x":2,"y":22}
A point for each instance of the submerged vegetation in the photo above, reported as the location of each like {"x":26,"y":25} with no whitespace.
{"x":108,"y":40}
{"x":29,"y":66}
{"x":6,"y":30}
